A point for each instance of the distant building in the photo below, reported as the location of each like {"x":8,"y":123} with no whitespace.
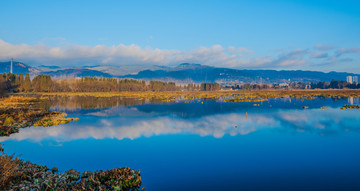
{"x":352,"y":79}
{"x":355,"y":79}
{"x":283,"y":85}
{"x":349,"y":79}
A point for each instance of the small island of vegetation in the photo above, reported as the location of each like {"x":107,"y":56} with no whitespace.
{"x":18,"y":112}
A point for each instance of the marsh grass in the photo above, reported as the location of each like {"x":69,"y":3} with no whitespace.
{"x":350,"y":107}
{"x":19,"y":112}
{"x":225,"y":95}
{"x":75,"y":100}
{"x":9,"y":170}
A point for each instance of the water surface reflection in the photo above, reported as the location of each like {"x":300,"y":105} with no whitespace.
{"x":132,"y":123}
{"x":205,"y":146}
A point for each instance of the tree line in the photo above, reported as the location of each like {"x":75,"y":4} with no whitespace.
{"x":202,"y":87}
{"x":334,"y":84}
{"x":209,"y":87}
{"x":44,"y":83}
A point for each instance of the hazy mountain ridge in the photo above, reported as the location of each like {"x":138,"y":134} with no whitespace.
{"x":183,"y":73}
{"x":223,"y":75}
{"x":125,"y":70}
{"x":45,"y":68}
{"x":75,"y":72}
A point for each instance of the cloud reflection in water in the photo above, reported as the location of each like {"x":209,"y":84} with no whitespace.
{"x":133,"y":124}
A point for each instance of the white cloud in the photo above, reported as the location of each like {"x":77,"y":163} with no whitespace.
{"x":323,"y":47}
{"x":341,"y":51}
{"x":121,"y":54}
{"x":293,"y":58}
{"x":319,"y":55}
{"x":216,"y":55}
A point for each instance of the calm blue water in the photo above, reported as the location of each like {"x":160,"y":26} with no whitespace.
{"x":209,"y":146}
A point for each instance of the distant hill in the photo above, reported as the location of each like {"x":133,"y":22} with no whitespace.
{"x":74,"y":72}
{"x":18,"y":67}
{"x":199,"y":73}
{"x":54,"y":71}
{"x":47,"y":68}
{"x":125,"y":70}
{"x":189,"y":66}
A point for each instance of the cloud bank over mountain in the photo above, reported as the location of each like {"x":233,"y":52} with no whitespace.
{"x":216,"y":55}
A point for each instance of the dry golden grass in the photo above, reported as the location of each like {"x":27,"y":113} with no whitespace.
{"x":16,"y":101}
{"x":227,"y":95}
{"x":8,"y":169}
{"x":54,"y":118}
{"x":350,"y":107}
{"x":19,"y":112}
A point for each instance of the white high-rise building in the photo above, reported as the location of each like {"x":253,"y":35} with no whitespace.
{"x":352,"y":79}
{"x":355,"y":79}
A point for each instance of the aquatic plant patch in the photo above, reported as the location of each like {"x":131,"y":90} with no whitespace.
{"x":350,"y":107}
{"x":21,"y":112}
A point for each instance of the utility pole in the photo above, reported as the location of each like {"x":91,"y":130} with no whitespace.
{"x":11,"y":67}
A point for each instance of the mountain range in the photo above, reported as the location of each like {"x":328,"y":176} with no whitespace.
{"x":183,"y":73}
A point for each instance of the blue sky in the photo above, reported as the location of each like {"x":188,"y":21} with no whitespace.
{"x":319,"y":35}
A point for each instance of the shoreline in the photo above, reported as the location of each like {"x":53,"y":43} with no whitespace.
{"x":172,"y":95}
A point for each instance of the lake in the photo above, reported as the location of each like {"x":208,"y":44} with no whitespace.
{"x":204,"y":144}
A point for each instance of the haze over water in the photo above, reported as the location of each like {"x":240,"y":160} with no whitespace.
{"x":204,"y":144}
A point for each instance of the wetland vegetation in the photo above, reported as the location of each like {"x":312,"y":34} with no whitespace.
{"x":17,"y":174}
{"x":19,"y":112}
{"x":231,"y":96}
{"x":350,"y":107}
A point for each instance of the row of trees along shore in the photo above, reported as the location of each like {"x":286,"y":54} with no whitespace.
{"x":43,"y":83}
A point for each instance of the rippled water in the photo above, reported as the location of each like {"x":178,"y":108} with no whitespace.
{"x":204,"y":144}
